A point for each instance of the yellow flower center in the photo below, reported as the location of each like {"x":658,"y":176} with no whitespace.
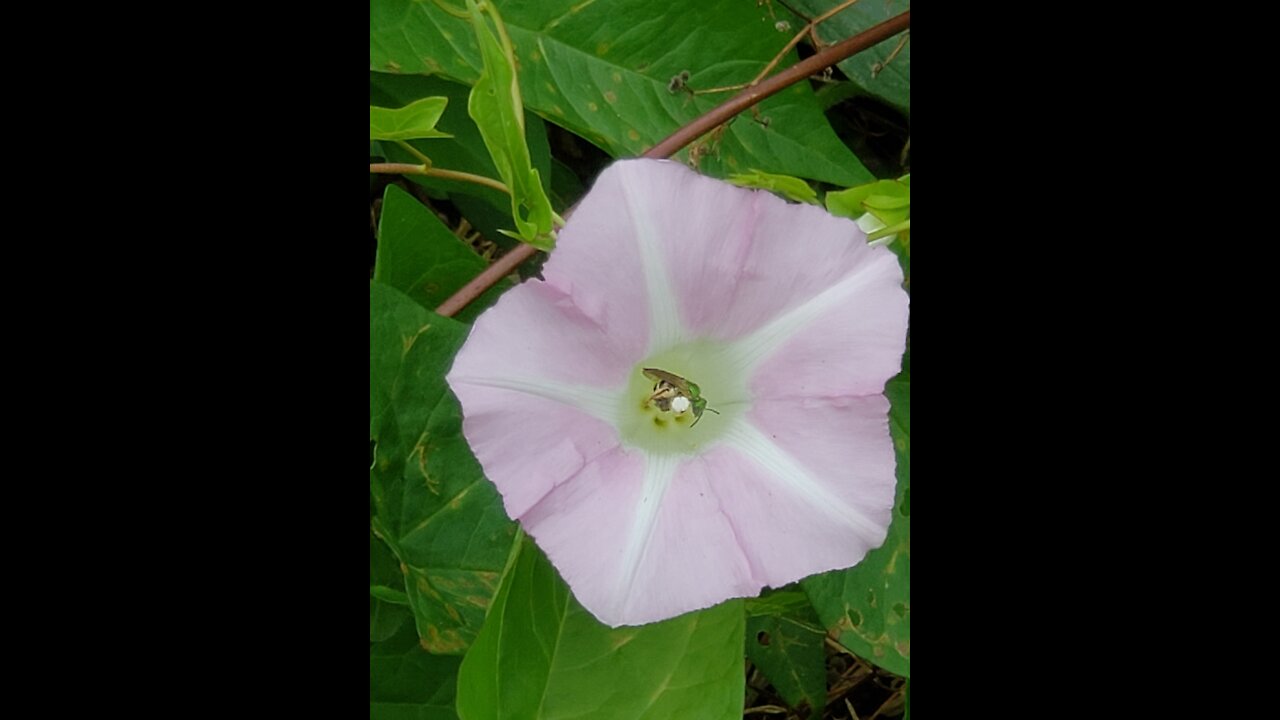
{"x":663,"y":420}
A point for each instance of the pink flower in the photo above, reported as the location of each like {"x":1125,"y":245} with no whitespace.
{"x":787,"y":323}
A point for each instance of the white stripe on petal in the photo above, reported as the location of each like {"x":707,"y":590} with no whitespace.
{"x":597,"y":402}
{"x":658,"y":471}
{"x":665,"y":329}
{"x":792,"y":477}
{"x":748,"y":351}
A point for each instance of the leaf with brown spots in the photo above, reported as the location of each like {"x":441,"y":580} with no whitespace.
{"x":405,"y":681}
{"x":788,"y":649}
{"x":566,"y":64}
{"x":385,"y":617}
{"x":433,"y":506}
{"x":868,"y":606}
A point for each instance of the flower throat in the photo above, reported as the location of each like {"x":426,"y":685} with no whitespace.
{"x":680,"y":399}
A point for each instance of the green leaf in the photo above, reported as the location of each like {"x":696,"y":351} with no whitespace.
{"x":421,"y":258}
{"x":888,"y":200}
{"x":415,"y":120}
{"x":903,"y":227}
{"x":890,"y":82}
{"x":384,"y":571}
{"x":792,"y":188}
{"x":848,"y":203}
{"x":487,"y":209}
{"x":566,"y":188}
{"x":602,"y":70}
{"x":389,"y":594}
{"x":387,"y":319}
{"x":408,"y":683}
{"x":497,"y":110}
{"x":541,"y":656}
{"x":902,"y":248}
{"x":869,"y":605}
{"x":435,"y":509}
{"x":777,"y":602}
{"x":788,"y":649}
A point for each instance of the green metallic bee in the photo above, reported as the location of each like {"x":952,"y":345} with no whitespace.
{"x":672,"y":393}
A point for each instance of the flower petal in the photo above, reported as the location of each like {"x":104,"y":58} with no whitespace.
{"x":641,"y":539}
{"x":598,"y":266}
{"x":810,"y":482}
{"x":734,"y":258}
{"x":801,"y":487}
{"x":842,"y":444}
{"x":786,"y":299}
{"x":584,"y":526}
{"x":673,"y":214}
{"x":527,"y":444}
{"x":537,"y":332}
{"x":848,"y":340}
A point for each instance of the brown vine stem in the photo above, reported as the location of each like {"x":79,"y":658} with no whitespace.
{"x":411,"y":169}
{"x":704,"y":123}
{"x":750,"y":96}
{"x":785,"y":49}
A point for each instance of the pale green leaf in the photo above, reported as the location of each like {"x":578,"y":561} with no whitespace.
{"x":792,"y":188}
{"x":486,"y":209}
{"x":415,"y":120}
{"x":888,"y":200}
{"x":498,"y":111}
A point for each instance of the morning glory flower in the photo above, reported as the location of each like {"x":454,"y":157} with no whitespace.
{"x":690,"y":406}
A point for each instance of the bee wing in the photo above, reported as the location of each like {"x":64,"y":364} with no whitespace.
{"x":662,"y":375}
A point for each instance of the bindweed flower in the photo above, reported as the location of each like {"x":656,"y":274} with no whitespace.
{"x":690,"y":407}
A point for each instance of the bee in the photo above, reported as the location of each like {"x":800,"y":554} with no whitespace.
{"x":672,"y":393}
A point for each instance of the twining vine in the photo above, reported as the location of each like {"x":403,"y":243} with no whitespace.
{"x":751,"y":94}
